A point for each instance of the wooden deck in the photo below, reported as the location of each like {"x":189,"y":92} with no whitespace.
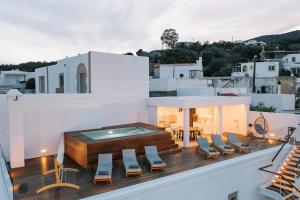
{"x":28,"y":179}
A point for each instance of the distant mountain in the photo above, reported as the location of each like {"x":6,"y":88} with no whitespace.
{"x":284,"y":39}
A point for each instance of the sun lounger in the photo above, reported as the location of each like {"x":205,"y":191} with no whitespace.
{"x":236,"y":144}
{"x":104,"y":168}
{"x":218,"y":143}
{"x":153,"y":158}
{"x":204,"y":147}
{"x":130,"y":163}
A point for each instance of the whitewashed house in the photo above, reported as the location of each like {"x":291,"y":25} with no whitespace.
{"x":292,"y":62}
{"x":184,"y":70}
{"x":265,"y":75}
{"x":13,"y":79}
{"x":255,"y":42}
{"x":94,"y":72}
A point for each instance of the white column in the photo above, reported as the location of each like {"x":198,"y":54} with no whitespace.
{"x":246,"y":114}
{"x":152,"y":115}
{"x":186,"y":127}
{"x":220,"y":111}
{"x":16,"y":134}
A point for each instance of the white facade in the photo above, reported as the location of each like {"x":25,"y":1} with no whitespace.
{"x":98,"y":73}
{"x":262,"y":70}
{"x":14,"y":78}
{"x":292,"y":62}
{"x":189,"y":70}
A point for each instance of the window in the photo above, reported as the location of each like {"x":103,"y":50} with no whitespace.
{"x":194,"y":73}
{"x":293,"y":59}
{"x":233,"y":196}
{"x":42,"y":84}
{"x":81,"y":79}
{"x":61,"y":80}
{"x":61,"y":83}
{"x":271,"y":68}
{"x":245,"y":68}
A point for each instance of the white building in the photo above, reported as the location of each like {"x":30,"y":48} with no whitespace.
{"x":95,"y":72}
{"x":265,"y":75}
{"x":14,"y":79}
{"x":292,"y":62}
{"x":255,"y":42}
{"x":188,"y":70}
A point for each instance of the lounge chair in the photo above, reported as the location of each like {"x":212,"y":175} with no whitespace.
{"x":204,"y":147}
{"x":153,"y":158}
{"x":130,"y":163}
{"x":218,"y":143}
{"x":236,"y":144}
{"x":104,"y":168}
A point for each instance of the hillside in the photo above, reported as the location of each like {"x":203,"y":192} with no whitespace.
{"x":285,"y":41}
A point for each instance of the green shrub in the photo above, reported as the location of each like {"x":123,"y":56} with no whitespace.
{"x":262,"y":108}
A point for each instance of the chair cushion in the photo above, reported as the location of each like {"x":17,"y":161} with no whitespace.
{"x":157,"y":162}
{"x":212,"y":151}
{"x":227,"y":147}
{"x":134,"y":166}
{"x":101,"y":173}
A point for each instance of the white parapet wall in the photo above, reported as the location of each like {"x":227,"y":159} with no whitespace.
{"x":208,"y":182}
{"x":279,"y":101}
{"x":196,"y":91}
{"x":278,"y":123}
{"x":44,"y":117}
{"x":162,"y":84}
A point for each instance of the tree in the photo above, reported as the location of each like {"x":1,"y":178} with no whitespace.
{"x":30,"y":84}
{"x":284,"y":72}
{"x":128,"y":53}
{"x":141,"y":52}
{"x":169,"y":38}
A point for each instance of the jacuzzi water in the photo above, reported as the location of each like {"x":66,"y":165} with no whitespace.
{"x":117,"y":132}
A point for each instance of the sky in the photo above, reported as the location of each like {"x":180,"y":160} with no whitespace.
{"x":48,"y":30}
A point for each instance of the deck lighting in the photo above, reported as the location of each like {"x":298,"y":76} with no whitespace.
{"x":43,"y":150}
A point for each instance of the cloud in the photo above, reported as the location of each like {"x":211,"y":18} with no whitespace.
{"x":50,"y":30}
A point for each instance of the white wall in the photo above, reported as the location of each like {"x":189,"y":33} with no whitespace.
{"x":207,"y":182}
{"x":163,"y":84}
{"x":262,"y":69}
{"x":67,"y":66}
{"x":279,"y":101}
{"x":278,"y":123}
{"x":167,"y":70}
{"x":4,"y":135}
{"x":40,"y":72}
{"x":235,"y":119}
{"x":116,"y":75}
{"x":47,"y":116}
{"x":196,"y":91}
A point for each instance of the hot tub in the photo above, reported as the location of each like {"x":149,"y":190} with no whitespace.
{"x":84,"y":146}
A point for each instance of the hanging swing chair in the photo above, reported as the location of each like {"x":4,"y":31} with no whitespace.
{"x":261,"y":125}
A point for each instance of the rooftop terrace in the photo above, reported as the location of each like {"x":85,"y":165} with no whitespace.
{"x":28,"y":179}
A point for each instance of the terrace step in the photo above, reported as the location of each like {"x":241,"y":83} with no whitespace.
{"x":285,"y":171}
{"x":280,"y":191}
{"x":291,"y":168}
{"x":286,"y":176}
{"x":283,"y":186}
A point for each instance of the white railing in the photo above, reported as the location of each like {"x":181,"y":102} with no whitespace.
{"x":6,"y":186}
